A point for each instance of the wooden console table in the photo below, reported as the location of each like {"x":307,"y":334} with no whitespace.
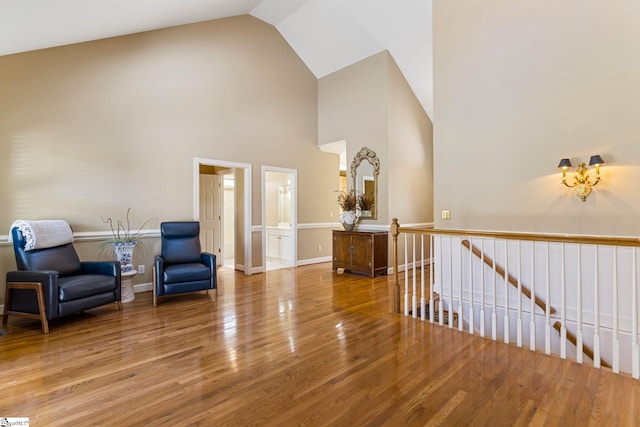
{"x":361,"y":251}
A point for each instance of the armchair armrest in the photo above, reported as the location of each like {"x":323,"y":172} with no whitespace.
{"x":49,"y":280}
{"x":108,"y":268}
{"x":158,"y":263}
{"x":208,"y":259}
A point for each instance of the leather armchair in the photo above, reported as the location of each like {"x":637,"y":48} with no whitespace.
{"x":182,"y":267}
{"x":53,"y":282}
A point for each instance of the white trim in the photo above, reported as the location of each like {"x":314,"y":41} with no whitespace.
{"x":419,"y":225}
{"x":318,"y":225}
{"x":83,"y":236}
{"x":248,"y":177}
{"x":307,"y":226}
{"x":142,"y":287}
{"x":310,"y":261}
{"x":371,"y":227}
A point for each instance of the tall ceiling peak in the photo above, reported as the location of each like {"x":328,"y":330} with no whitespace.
{"x":327,"y":34}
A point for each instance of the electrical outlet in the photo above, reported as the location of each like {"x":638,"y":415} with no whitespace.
{"x":319,"y":248}
{"x":446,"y":214}
{"x":141,"y":269}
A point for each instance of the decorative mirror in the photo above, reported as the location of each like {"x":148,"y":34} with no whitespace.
{"x":364,"y":177}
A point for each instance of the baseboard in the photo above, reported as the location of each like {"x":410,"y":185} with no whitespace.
{"x":142,"y":287}
{"x":310,"y":261}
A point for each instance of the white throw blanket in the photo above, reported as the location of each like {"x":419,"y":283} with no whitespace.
{"x":44,"y":234}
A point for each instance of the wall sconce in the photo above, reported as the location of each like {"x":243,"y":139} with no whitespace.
{"x":582,"y":181}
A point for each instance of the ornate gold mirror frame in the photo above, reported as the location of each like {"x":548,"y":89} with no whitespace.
{"x":363,"y":189}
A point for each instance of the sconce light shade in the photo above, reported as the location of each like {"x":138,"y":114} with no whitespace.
{"x":582,"y":183}
{"x":566,"y":163}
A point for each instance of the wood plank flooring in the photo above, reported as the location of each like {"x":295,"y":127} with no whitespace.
{"x":301,"y":346}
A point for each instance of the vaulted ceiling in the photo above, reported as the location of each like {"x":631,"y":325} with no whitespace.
{"x":327,"y":34}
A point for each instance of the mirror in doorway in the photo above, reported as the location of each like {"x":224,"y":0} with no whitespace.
{"x":365,"y":168}
{"x":284,"y":206}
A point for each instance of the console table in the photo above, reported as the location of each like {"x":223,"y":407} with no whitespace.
{"x":361,"y":251}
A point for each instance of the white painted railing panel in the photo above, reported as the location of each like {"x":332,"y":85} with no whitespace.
{"x":593,"y":289}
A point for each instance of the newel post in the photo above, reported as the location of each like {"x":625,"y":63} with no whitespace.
{"x":394,"y":287}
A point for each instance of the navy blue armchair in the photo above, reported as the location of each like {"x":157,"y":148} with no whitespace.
{"x":52,"y":282}
{"x":182,"y":266}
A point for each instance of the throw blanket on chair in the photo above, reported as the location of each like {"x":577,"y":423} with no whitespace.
{"x":44,"y":234}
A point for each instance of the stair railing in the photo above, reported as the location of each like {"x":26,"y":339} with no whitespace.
{"x":590,"y":280}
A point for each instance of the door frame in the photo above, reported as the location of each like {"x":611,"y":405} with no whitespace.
{"x":248,"y":232}
{"x":294,"y":212}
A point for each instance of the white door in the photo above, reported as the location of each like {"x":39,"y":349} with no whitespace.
{"x":210,"y":211}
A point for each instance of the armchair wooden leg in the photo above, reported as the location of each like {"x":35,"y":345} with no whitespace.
{"x":119,"y":305}
{"x":34,"y":286}
{"x":7,"y":300}
{"x":153,"y":286}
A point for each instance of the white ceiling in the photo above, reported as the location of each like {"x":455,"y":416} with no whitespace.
{"x":327,"y":34}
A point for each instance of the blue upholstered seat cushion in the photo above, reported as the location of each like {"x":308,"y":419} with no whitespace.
{"x":84,"y":285}
{"x":191,"y":272}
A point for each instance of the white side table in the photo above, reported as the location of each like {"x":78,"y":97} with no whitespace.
{"x":127,"y":286}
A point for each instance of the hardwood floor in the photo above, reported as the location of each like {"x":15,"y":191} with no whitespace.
{"x":300,"y":346}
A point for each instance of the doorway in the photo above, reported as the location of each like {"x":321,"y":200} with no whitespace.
{"x":279,"y":217}
{"x":222,"y":204}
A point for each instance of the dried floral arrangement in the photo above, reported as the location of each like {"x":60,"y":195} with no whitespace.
{"x":347,"y":200}
{"x":121,"y":231}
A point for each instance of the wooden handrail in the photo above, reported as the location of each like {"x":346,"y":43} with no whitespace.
{"x":536,"y":237}
{"x":585,"y":349}
{"x":512,"y":280}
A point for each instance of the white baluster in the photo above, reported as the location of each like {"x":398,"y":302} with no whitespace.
{"x":519,"y":305}
{"x":431,"y":278}
{"x":406,"y":275}
{"x":414,"y":298}
{"x":615,"y":338}
{"x":460,"y":314}
{"x":440,"y":303}
{"x":635,"y":349}
{"x":494,"y":313}
{"x":532,"y":322}
{"x":579,"y":346}
{"x":596,"y":311}
{"x":481,"y":287}
{"x":422,"y":285}
{"x":450,"y":282}
{"x":506,"y":292}
{"x":471,"y":285}
{"x":547,"y":312}
{"x":563,"y":315}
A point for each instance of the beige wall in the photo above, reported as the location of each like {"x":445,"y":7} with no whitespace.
{"x":517,"y":87}
{"x":352,"y":106}
{"x":94,"y":128}
{"x":410,"y":154}
{"x":370,"y":104}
